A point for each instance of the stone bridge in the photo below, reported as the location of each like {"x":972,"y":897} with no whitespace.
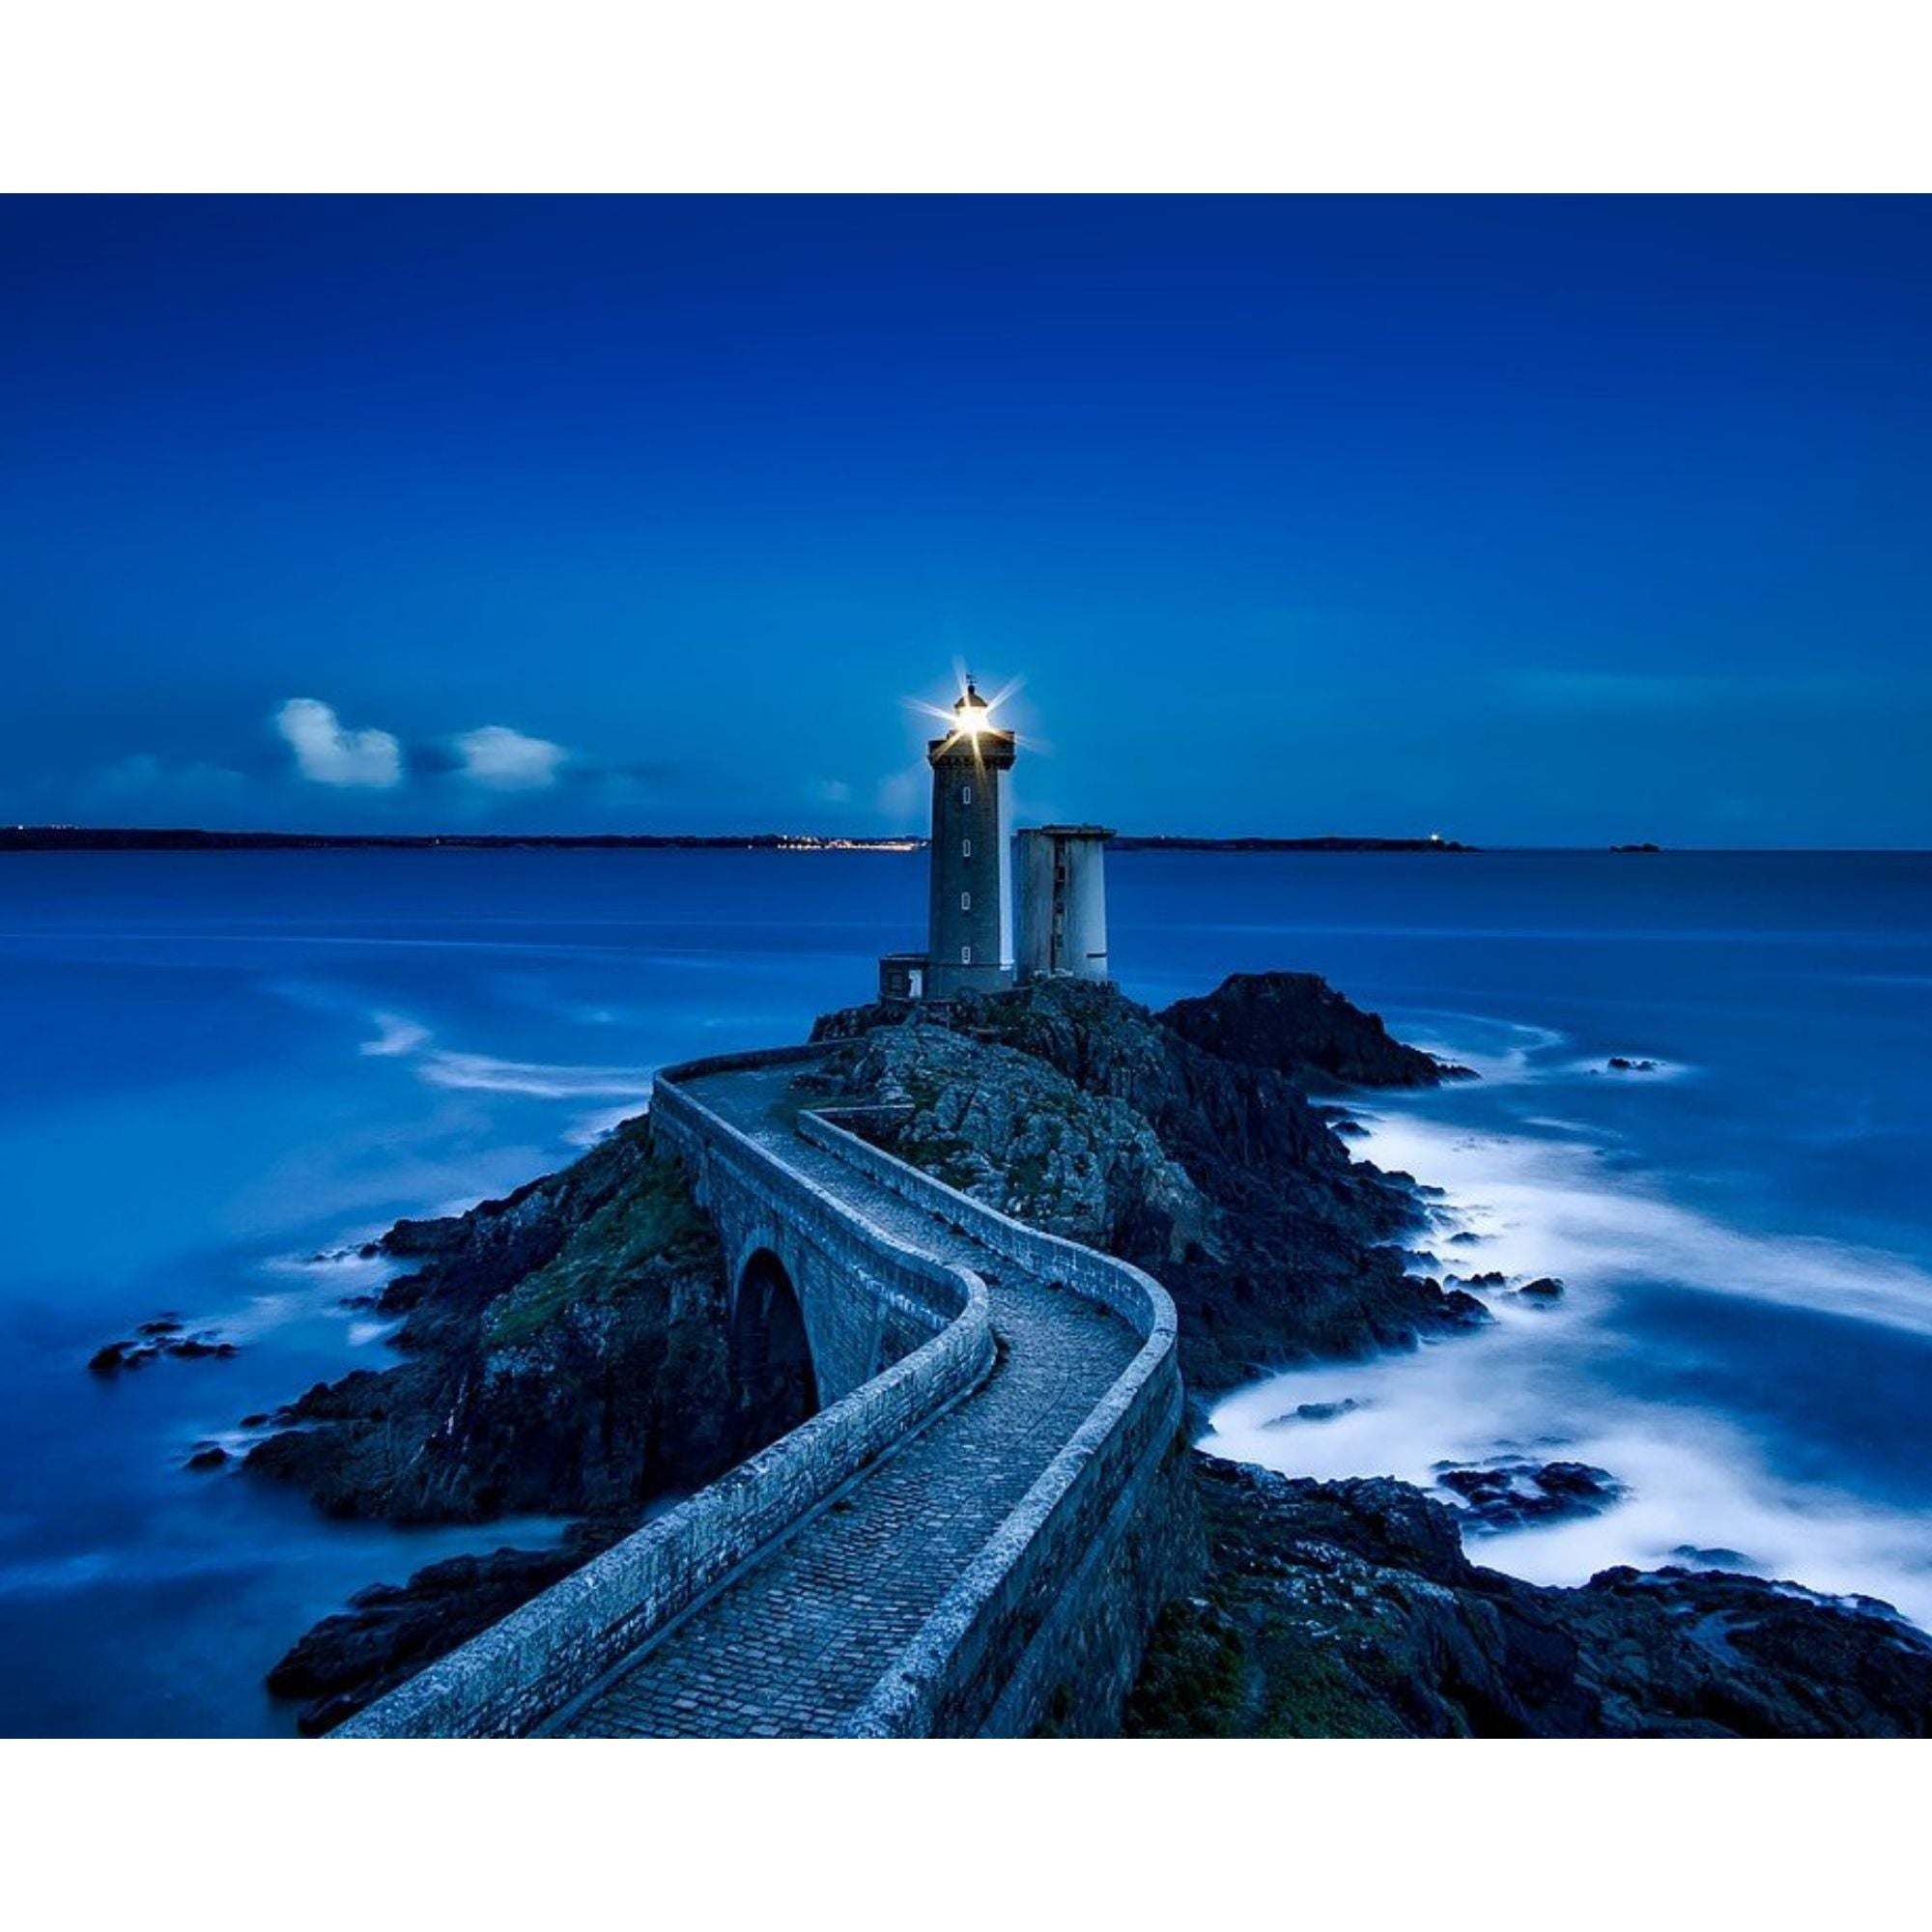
{"x":969,"y":1531}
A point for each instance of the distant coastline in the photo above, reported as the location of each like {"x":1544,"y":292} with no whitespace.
{"x":189,"y":839}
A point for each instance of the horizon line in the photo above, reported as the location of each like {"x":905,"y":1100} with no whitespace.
{"x":24,"y":837}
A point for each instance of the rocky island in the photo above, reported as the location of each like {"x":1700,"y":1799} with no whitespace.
{"x":562,"y":1353}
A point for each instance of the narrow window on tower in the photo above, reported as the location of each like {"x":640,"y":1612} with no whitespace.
{"x":965,"y":901}
{"x":965,"y":956}
{"x":965,"y":848}
{"x":965,"y":794}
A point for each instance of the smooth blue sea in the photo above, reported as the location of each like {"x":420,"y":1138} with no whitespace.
{"x":219,"y":1071}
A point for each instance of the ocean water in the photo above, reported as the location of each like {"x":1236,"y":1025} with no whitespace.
{"x":218,"y":1071}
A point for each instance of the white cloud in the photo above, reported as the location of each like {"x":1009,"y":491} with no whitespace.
{"x":328,"y":754}
{"x":507,"y":760}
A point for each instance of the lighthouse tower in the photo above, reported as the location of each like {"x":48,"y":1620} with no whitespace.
{"x":970,"y":924}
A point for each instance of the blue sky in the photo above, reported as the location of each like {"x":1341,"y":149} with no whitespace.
{"x":1528,"y":521}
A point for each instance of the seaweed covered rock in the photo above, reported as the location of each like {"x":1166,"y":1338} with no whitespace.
{"x":564,"y":1354}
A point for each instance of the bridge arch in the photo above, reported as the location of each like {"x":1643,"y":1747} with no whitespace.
{"x":772,"y":1373}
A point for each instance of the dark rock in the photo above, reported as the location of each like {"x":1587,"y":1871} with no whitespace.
{"x":208,"y":1456}
{"x":1545,"y":1288}
{"x":155,"y":1339}
{"x":1317,"y":1411}
{"x":564,"y":1354}
{"x":1619,"y":1064}
{"x":199,"y":1347}
{"x":393,"y":1631}
{"x":1720,"y":1558}
{"x":1580,"y":1481}
{"x":1508,"y":1494}
{"x":1489,"y":1278}
{"x":1299,"y":1025}
{"x":1342,"y":1610}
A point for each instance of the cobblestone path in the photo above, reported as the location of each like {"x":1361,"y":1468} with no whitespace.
{"x":793,"y":1645}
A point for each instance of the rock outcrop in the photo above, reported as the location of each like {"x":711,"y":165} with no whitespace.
{"x":156,"y":1340}
{"x":391,"y":1630}
{"x":1509,"y":1493}
{"x":563,"y":1354}
{"x":1349,"y":1609}
{"x":1300,"y":1026}
{"x":1067,"y":1104}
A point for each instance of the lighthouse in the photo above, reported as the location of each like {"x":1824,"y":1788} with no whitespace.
{"x":970,"y":919}
{"x":969,"y":927}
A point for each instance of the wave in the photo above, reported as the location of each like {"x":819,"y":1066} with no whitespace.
{"x":397,"y":1036}
{"x":1548,"y":1207}
{"x":1508,"y":1053}
{"x":484,"y":1073}
{"x":1505,"y":1053}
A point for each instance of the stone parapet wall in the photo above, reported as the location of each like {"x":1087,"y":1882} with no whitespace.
{"x":1047,"y":1627}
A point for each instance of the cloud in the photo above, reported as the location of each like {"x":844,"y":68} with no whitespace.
{"x":328,"y":755}
{"x":831,"y":791}
{"x":501,"y":759}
